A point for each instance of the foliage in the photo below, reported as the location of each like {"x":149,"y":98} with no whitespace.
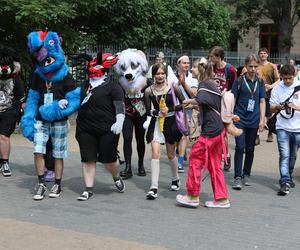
{"x":131,"y":23}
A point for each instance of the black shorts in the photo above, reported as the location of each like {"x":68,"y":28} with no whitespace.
{"x":94,"y":147}
{"x":8,"y":120}
{"x":171,"y":132}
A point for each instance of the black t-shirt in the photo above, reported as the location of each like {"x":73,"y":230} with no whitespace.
{"x":58,"y":89}
{"x":98,"y":114}
{"x":11,"y":94}
{"x":212,"y":124}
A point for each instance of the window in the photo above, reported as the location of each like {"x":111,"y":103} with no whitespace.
{"x":269,"y":37}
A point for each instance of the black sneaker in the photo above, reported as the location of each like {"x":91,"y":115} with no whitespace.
{"x":292,"y":184}
{"x":5,"y":169}
{"x":120,"y":185}
{"x":175,"y":185}
{"x":55,"y":191}
{"x":284,"y":189}
{"x":85,"y":196}
{"x":152,"y":194}
{"x":228,"y":165}
{"x":40,"y":192}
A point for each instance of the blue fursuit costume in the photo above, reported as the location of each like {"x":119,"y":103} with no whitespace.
{"x":45,"y":49}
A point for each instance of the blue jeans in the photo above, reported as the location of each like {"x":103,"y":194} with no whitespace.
{"x":244,"y":142}
{"x":288,"y":145}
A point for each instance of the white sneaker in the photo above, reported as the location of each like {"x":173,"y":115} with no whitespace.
{"x":85,"y":196}
{"x":217,"y":204}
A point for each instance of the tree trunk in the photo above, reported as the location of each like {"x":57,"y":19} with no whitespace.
{"x":285,"y":39}
{"x":285,"y":28}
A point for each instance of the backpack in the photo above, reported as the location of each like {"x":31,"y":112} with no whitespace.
{"x":227,"y":75}
{"x":227,"y":104}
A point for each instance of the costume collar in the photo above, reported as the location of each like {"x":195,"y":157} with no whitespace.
{"x":97,"y":81}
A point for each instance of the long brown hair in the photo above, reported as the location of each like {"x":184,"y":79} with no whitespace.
{"x":205,"y":71}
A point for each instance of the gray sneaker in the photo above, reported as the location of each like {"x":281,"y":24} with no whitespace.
{"x":237,"y":183}
{"x":246,"y":181}
{"x":5,"y":169}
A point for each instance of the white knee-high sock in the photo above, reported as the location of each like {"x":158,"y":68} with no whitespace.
{"x":154,"y":173}
{"x":174,"y":168}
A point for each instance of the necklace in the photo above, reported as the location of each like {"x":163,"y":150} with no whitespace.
{"x":161,"y":90}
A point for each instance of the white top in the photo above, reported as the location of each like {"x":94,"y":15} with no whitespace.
{"x":278,"y":95}
{"x":191,"y":82}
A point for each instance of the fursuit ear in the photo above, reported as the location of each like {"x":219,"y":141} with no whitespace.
{"x":117,"y":66}
{"x":34,"y":41}
{"x":143,"y":62}
{"x":52,"y":40}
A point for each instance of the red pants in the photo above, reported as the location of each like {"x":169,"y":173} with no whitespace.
{"x":207,"y":153}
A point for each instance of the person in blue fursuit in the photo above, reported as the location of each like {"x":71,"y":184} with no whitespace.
{"x":132,"y":68}
{"x":11,"y":99}
{"x":99,"y":122}
{"x":52,"y":97}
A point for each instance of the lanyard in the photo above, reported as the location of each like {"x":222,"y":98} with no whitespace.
{"x":48,"y":86}
{"x":248,"y":87}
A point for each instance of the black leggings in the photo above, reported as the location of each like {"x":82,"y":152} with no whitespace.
{"x":137,"y":123}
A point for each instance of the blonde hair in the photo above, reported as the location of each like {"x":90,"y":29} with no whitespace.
{"x":205,"y":69}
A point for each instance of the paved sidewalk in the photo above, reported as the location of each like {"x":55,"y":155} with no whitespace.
{"x":258,"y":218}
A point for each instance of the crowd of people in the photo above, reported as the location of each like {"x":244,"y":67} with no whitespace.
{"x":174,"y":108}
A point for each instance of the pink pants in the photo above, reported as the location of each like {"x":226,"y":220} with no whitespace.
{"x":207,"y":153}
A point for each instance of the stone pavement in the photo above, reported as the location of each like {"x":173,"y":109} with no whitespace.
{"x":258,"y":218}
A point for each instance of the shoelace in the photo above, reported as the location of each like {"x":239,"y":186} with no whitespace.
{"x":40,"y":189}
{"x":5,"y":166}
{"x":54,"y":189}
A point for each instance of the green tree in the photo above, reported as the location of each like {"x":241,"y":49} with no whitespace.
{"x":172,"y":23}
{"x":284,"y":13}
{"x":130,"y":23}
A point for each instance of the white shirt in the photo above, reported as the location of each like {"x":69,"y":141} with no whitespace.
{"x":278,"y":95}
{"x":190,"y":81}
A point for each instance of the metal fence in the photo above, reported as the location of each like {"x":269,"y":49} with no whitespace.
{"x":77,"y":66}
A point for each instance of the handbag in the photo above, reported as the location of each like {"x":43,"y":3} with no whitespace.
{"x":180,"y":116}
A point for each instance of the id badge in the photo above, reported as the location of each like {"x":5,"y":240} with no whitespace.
{"x":48,"y":98}
{"x":140,"y":107}
{"x":251,"y":104}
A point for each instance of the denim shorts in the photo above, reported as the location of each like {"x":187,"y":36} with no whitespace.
{"x":57,"y":131}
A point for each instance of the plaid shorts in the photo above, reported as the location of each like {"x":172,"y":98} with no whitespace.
{"x":57,"y":131}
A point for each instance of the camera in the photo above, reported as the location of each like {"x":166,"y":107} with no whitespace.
{"x":288,"y":110}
